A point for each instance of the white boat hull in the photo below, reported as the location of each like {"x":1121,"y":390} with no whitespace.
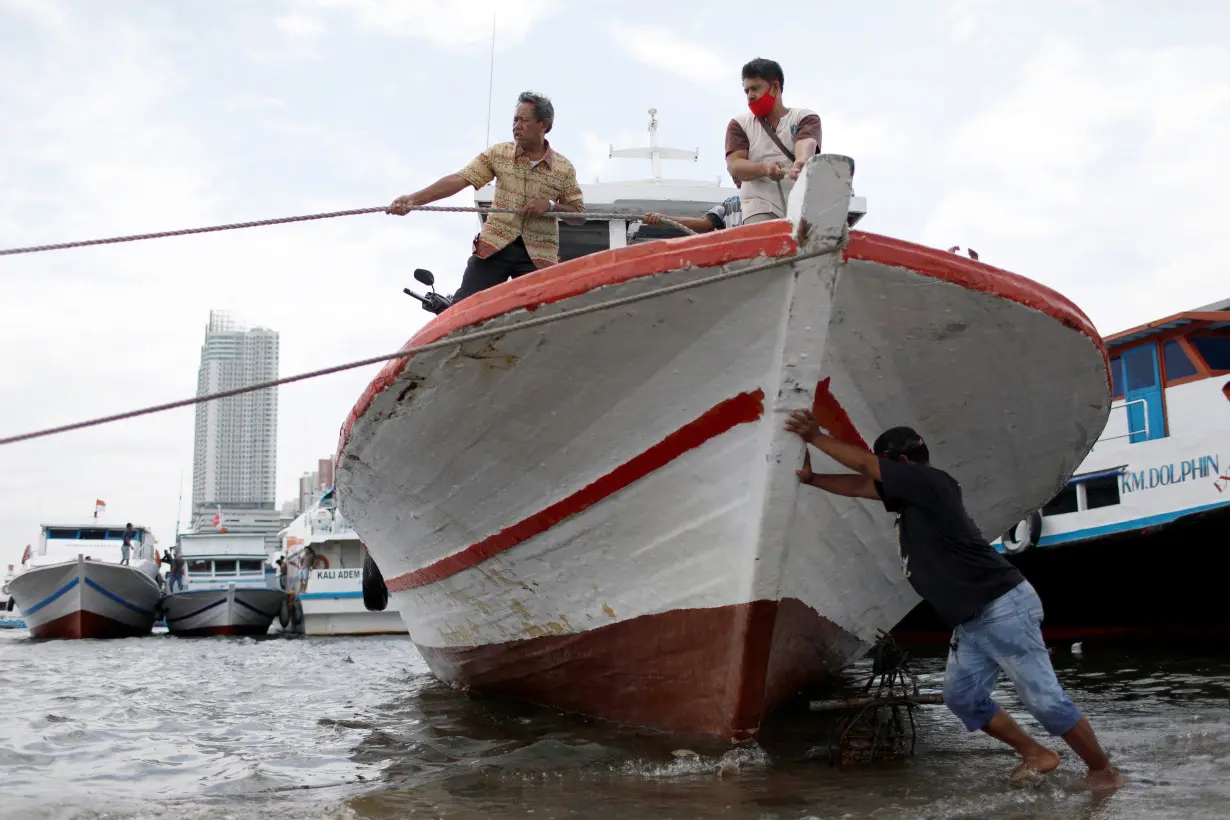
{"x":325,"y":614}
{"x":229,"y":611}
{"x":86,"y":599}
{"x":602,"y":514}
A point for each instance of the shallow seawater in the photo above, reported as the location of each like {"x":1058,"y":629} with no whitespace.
{"x":358,"y":728}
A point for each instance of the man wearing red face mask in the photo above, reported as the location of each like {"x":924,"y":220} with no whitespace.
{"x":768,"y":146}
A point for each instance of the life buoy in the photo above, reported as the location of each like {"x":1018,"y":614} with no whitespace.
{"x":320,"y":562}
{"x":1032,"y":525}
{"x":284,"y":613}
{"x":375,"y":593}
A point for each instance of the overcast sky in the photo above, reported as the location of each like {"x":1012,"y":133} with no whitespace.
{"x":1080,"y":143}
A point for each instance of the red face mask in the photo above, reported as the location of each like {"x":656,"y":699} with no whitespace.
{"x":762,"y":106}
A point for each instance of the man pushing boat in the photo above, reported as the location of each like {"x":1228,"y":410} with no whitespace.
{"x":995,"y":614}
{"x":530,"y":177}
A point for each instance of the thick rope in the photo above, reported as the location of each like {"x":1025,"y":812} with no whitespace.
{"x":406,"y":353}
{"x":596,"y":215}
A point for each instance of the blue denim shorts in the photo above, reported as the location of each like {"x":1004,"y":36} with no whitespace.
{"x":1006,"y":636}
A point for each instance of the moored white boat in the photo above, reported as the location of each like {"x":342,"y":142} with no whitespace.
{"x":331,"y":602}
{"x":601,"y":513}
{"x":74,"y":585}
{"x":228,"y":589}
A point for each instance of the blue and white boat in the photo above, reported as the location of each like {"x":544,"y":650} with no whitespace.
{"x":228,"y":587}
{"x":76,"y":585}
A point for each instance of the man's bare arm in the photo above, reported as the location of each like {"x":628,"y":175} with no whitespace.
{"x":571,"y":207}
{"x":803,"y":424}
{"x":442,"y":188}
{"x":851,"y":486}
{"x":742,"y":168}
{"x":700,"y":225}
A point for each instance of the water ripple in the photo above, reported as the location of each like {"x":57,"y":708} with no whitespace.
{"x":357,"y":728}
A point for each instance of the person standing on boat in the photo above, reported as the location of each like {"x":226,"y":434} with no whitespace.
{"x":530,"y":177}
{"x":176,"y":575}
{"x":767,"y":147}
{"x":995,"y":614}
{"x":126,"y":547}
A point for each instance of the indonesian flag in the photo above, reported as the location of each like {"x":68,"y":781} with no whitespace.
{"x":100,"y":507}
{"x":25,"y":556}
{"x":218,"y":518}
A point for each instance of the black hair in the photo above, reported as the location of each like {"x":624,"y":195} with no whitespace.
{"x":129,"y":524}
{"x":767,"y":70}
{"x":902,"y":441}
{"x":543,"y":110}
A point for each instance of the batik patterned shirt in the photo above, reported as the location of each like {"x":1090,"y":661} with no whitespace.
{"x":519,"y":181}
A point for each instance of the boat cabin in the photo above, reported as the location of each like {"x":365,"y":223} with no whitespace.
{"x":1150,"y":364}
{"x":99,"y":540}
{"x":1165,"y":451}
{"x":216,"y":560}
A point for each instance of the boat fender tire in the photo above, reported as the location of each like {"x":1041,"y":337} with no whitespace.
{"x":296,"y":613}
{"x":284,"y":613}
{"x":375,"y":593}
{"x":320,"y":562}
{"x":1033,"y":531}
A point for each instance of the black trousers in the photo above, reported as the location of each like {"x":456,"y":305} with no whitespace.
{"x":509,"y":262}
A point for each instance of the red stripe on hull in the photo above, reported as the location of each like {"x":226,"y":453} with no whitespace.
{"x":85,"y":624}
{"x":741,"y":409}
{"x":715,"y":671}
{"x":247,"y":630}
{"x":831,"y":416}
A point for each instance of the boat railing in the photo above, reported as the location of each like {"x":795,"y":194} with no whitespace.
{"x":1112,"y":424}
{"x":331,"y":523}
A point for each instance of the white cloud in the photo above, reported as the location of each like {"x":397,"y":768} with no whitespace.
{"x":660,"y":48}
{"x":1105,"y":177}
{"x":114,"y":150}
{"x":453,"y":25}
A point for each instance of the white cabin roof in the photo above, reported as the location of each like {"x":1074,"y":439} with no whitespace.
{"x":222,"y":543}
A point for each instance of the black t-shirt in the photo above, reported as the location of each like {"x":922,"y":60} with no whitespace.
{"x":944,"y":556}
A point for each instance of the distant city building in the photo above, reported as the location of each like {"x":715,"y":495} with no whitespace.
{"x":234,"y":463}
{"x":312,"y":486}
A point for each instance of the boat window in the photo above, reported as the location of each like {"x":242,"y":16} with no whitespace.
{"x":1063,"y":503}
{"x":199,"y":567}
{"x":1215,"y":350}
{"x":582,"y":240}
{"x":62,"y":534}
{"x":1102,"y":492}
{"x":249,"y":565}
{"x":1140,"y":372}
{"x":1178,"y":365}
{"x":1116,"y":377}
{"x":98,"y":535}
{"x":224,"y":567}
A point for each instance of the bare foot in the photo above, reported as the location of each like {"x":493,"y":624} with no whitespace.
{"x":1102,"y":780}
{"x":1046,"y":761}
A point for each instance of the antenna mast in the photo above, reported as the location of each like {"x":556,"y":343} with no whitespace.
{"x":179,"y":505}
{"x":490,"y":81}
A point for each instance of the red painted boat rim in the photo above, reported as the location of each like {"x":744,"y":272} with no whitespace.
{"x":770,"y":240}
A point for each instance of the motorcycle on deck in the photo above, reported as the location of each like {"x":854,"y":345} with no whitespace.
{"x":433,"y":302}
